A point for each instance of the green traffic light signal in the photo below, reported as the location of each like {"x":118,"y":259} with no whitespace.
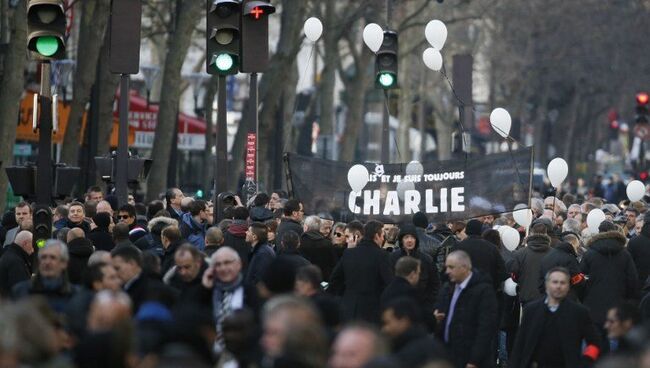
{"x":40,"y":243}
{"x":223,"y":62}
{"x":386,"y":80}
{"x":47,"y":45}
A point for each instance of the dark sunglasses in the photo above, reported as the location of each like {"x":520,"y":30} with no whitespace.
{"x":123,"y":217}
{"x":338,"y":235}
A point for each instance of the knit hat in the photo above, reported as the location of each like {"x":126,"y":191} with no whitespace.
{"x":473,"y":227}
{"x":420,"y":220}
{"x":407,"y":230}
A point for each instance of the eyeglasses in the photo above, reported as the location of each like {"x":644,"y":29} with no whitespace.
{"x":123,"y":217}
{"x":225,"y":263}
{"x":338,"y":235}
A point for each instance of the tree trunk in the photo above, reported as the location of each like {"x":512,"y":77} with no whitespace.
{"x":356,"y":95}
{"x":281,"y":65}
{"x":179,"y":43}
{"x":11,"y":93}
{"x":108,"y":83}
{"x":208,"y":169}
{"x":328,"y":75}
{"x":94,"y":19}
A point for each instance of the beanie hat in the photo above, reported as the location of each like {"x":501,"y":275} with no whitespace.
{"x":408,"y":230}
{"x":420,"y":220}
{"x":473,"y":227}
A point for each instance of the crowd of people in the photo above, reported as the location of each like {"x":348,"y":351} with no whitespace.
{"x":262,"y":284}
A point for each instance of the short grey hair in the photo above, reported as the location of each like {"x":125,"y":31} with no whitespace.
{"x":575,"y":205}
{"x":312,"y":223}
{"x":98,"y":257}
{"x":65,"y":256}
{"x":572,"y":225}
{"x":537,"y":205}
{"x":462,"y":257}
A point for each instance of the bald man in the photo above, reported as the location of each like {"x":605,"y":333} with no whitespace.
{"x":468,"y":312}
{"x":104,"y":206}
{"x":224,"y":277}
{"x":15,"y":263}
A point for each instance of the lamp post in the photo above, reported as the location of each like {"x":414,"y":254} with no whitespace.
{"x":150,"y":73}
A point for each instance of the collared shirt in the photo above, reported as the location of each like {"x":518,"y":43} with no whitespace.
{"x":552,"y":308}
{"x":452,"y":306}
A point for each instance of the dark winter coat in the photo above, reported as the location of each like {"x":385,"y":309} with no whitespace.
{"x":563,"y":255}
{"x":287,"y":224}
{"x":152,"y":241}
{"x":146,"y":288}
{"x":187,"y":289}
{"x":639,"y":248}
{"x":101,"y":238}
{"x":318,"y":250}
{"x":362,"y":274}
{"x":429,"y":283}
{"x":526,"y":266}
{"x":612,"y":275}
{"x":294,"y":257}
{"x":485,"y":258}
{"x":398,"y":288}
{"x":261,"y":258}
{"x":260,"y":214}
{"x":193,"y":231}
{"x":167,"y":260}
{"x":415,"y":348}
{"x":57,"y":295}
{"x":15,"y":266}
{"x":474,"y":323}
{"x":235,"y":238}
{"x":80,"y":250}
{"x":574,"y":325}
{"x":83,"y":225}
{"x":428,"y":244}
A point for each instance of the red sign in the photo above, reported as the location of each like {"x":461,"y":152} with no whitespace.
{"x":251,"y":150}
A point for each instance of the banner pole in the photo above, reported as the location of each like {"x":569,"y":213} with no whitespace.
{"x":530,"y":183}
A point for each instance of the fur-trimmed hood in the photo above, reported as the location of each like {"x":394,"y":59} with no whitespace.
{"x":161,"y":222}
{"x":610,"y":242}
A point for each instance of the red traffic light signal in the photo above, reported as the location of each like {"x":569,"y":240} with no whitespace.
{"x":642,"y":98}
{"x":643,"y":176}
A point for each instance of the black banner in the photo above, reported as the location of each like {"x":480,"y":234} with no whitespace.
{"x":444,"y":190}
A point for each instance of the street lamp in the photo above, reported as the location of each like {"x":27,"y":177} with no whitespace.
{"x":62,"y":69}
{"x":150,"y":73}
{"x":197,"y":81}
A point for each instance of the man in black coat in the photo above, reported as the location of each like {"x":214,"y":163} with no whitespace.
{"x":186,"y":275}
{"x":101,"y":236}
{"x":639,"y":248}
{"x":15,"y":263}
{"x":262,"y":254}
{"x":553,"y":328}
{"x":362,"y":274}
{"x":407,"y":275}
{"x":235,"y":236}
{"x":429,"y":280}
{"x":564,"y":255}
{"x":316,"y":248}
{"x":293,"y":215}
{"x":484,"y":255}
{"x":171,"y":239}
{"x":527,"y":263}
{"x":80,"y":250}
{"x":467,"y":314}
{"x":611,"y":273}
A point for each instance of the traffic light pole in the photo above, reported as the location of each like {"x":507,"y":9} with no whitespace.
{"x":221,"y":163}
{"x":122,"y":159}
{"x":44,"y":160}
{"x":385,"y":132}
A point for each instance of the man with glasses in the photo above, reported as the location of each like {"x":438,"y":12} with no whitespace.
{"x":51,"y":280}
{"x":225,"y":281}
{"x":127,"y":215}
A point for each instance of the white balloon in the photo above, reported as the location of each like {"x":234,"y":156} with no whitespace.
{"x":635,"y":190}
{"x":594,"y":218}
{"x":436,"y":33}
{"x":557,"y":171}
{"x":510,"y":238}
{"x":510,"y":287}
{"x":414,"y":168}
{"x":358,"y":177}
{"x":523,"y":216}
{"x":432,"y":59}
{"x":402,"y":187}
{"x":313,"y":29}
{"x":501,"y":121}
{"x":373,"y":36}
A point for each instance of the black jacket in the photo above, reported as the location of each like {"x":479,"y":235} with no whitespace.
{"x":235,"y":238}
{"x":187,"y":290}
{"x":57,"y":295}
{"x":474,"y":322}
{"x":611,"y":273}
{"x":563,"y":255}
{"x":287,"y":224}
{"x":360,"y":277}
{"x":485,"y":258}
{"x":415,"y":348}
{"x":398,"y":288}
{"x":101,"y":238}
{"x":83,"y":225}
{"x":574,"y":324}
{"x":427,"y":288}
{"x":318,"y":250}
{"x":167,"y":260}
{"x":80,"y":250}
{"x":526,"y":266}
{"x":260,"y":259}
{"x":145,"y":288}
{"x":639,"y":248}
{"x":15,"y":266}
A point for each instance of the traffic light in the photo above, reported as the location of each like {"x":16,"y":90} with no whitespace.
{"x":124,"y":35}
{"x":614,"y":127}
{"x":386,"y":62}
{"x":46,"y":25}
{"x":223,"y":36}
{"x":42,"y":221}
{"x":255,"y":35}
{"x":641,"y":107}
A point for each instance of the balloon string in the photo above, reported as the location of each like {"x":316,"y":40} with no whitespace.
{"x":300,"y":82}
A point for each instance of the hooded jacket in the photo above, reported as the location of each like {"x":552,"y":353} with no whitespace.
{"x":639,"y":248}
{"x":526,"y":266}
{"x":151,"y":241}
{"x":193,"y":231}
{"x":611,"y":273}
{"x":101,"y":238}
{"x":427,"y":288}
{"x":80,"y":250}
{"x":318,"y":250}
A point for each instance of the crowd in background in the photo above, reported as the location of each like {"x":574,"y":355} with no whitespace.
{"x":168,"y":285}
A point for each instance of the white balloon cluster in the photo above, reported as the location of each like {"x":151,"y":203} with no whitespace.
{"x":436,"y":34}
